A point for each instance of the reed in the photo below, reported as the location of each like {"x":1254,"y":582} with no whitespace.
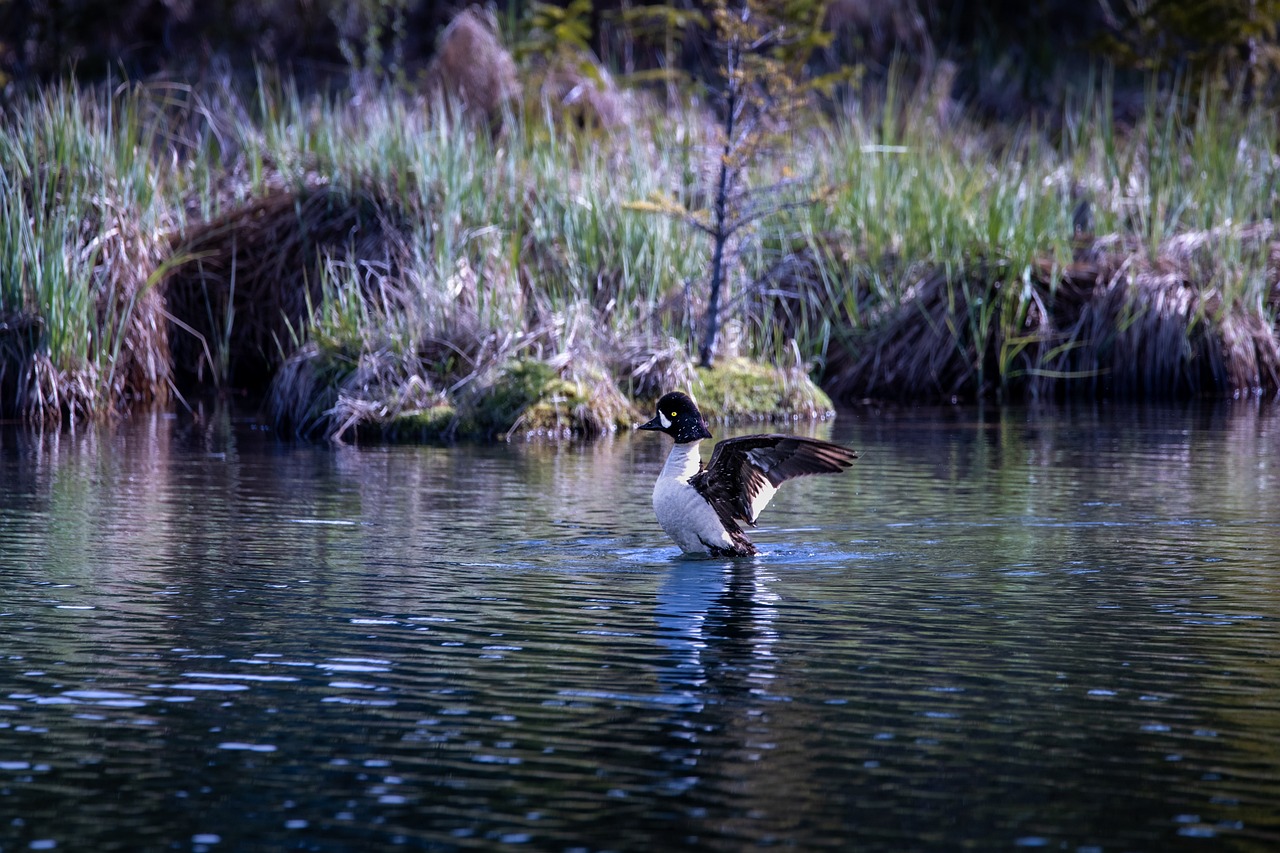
{"x":493,"y":253}
{"x":380,"y":263}
{"x":1097,"y":261}
{"x":81,"y":251}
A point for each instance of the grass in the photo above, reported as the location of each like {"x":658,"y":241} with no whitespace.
{"x":79,"y":258}
{"x":971,"y":278}
{"x":380,"y":265}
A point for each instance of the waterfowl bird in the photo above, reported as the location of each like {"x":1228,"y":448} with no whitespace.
{"x":703,"y":508}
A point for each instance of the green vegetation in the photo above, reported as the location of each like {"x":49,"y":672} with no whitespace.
{"x":1216,"y":43}
{"x":1127,"y":262}
{"x":381,"y":263}
{"x":78,"y":256}
{"x":742,"y":389}
{"x":762,"y":91}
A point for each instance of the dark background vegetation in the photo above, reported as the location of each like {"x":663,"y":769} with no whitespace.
{"x":1001,"y":57}
{"x":1104,"y":228}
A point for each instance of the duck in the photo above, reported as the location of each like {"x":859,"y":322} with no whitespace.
{"x":703,"y":508}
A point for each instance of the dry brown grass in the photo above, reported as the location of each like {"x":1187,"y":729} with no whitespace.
{"x":1113,"y":324}
{"x":339,"y":396}
{"x":582,"y":90}
{"x":249,"y":279}
{"x":472,"y":68}
{"x":128,"y":363}
{"x":138,"y":369}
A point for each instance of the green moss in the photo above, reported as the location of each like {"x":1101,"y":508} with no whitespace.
{"x":740,"y":389}
{"x":518,"y":386}
{"x":430,"y":424}
{"x":532,"y":398}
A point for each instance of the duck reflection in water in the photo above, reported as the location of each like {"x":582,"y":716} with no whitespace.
{"x":717,"y":626}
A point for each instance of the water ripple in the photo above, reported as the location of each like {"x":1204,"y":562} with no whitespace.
{"x":1020,"y":632}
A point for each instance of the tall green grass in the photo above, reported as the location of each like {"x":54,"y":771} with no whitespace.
{"x":1176,"y":190}
{"x":510,"y":247}
{"x":84,"y":198}
{"x":497,"y":248}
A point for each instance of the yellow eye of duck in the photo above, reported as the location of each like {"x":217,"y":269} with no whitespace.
{"x":673,"y":414}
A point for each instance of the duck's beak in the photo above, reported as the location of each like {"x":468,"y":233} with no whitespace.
{"x":653,"y":424}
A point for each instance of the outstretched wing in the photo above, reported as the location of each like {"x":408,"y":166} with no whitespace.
{"x":744,"y":473}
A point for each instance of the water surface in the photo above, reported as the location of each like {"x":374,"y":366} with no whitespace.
{"x":1001,"y":629}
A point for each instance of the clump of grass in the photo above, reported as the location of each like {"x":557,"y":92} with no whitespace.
{"x":81,"y":251}
{"x":472,"y":68}
{"x":252,"y":276}
{"x":388,"y":268}
{"x":515,"y":253}
{"x":1052,"y":269}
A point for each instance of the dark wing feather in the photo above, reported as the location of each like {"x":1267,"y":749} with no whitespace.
{"x":741,"y":468}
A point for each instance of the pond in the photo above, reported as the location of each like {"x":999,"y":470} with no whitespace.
{"x":1053,"y":628}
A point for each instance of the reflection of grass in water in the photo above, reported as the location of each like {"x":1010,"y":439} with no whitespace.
{"x":866,"y":652}
{"x":399,"y":271}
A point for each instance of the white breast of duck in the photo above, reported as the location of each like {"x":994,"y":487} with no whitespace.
{"x":682,"y":511}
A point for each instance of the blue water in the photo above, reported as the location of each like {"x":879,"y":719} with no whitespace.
{"x":1002,"y":629}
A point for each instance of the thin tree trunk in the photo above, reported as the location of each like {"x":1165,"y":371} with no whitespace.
{"x":707,"y":350}
{"x":721,"y":235}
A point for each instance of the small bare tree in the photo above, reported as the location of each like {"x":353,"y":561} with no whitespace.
{"x":763,"y":46}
